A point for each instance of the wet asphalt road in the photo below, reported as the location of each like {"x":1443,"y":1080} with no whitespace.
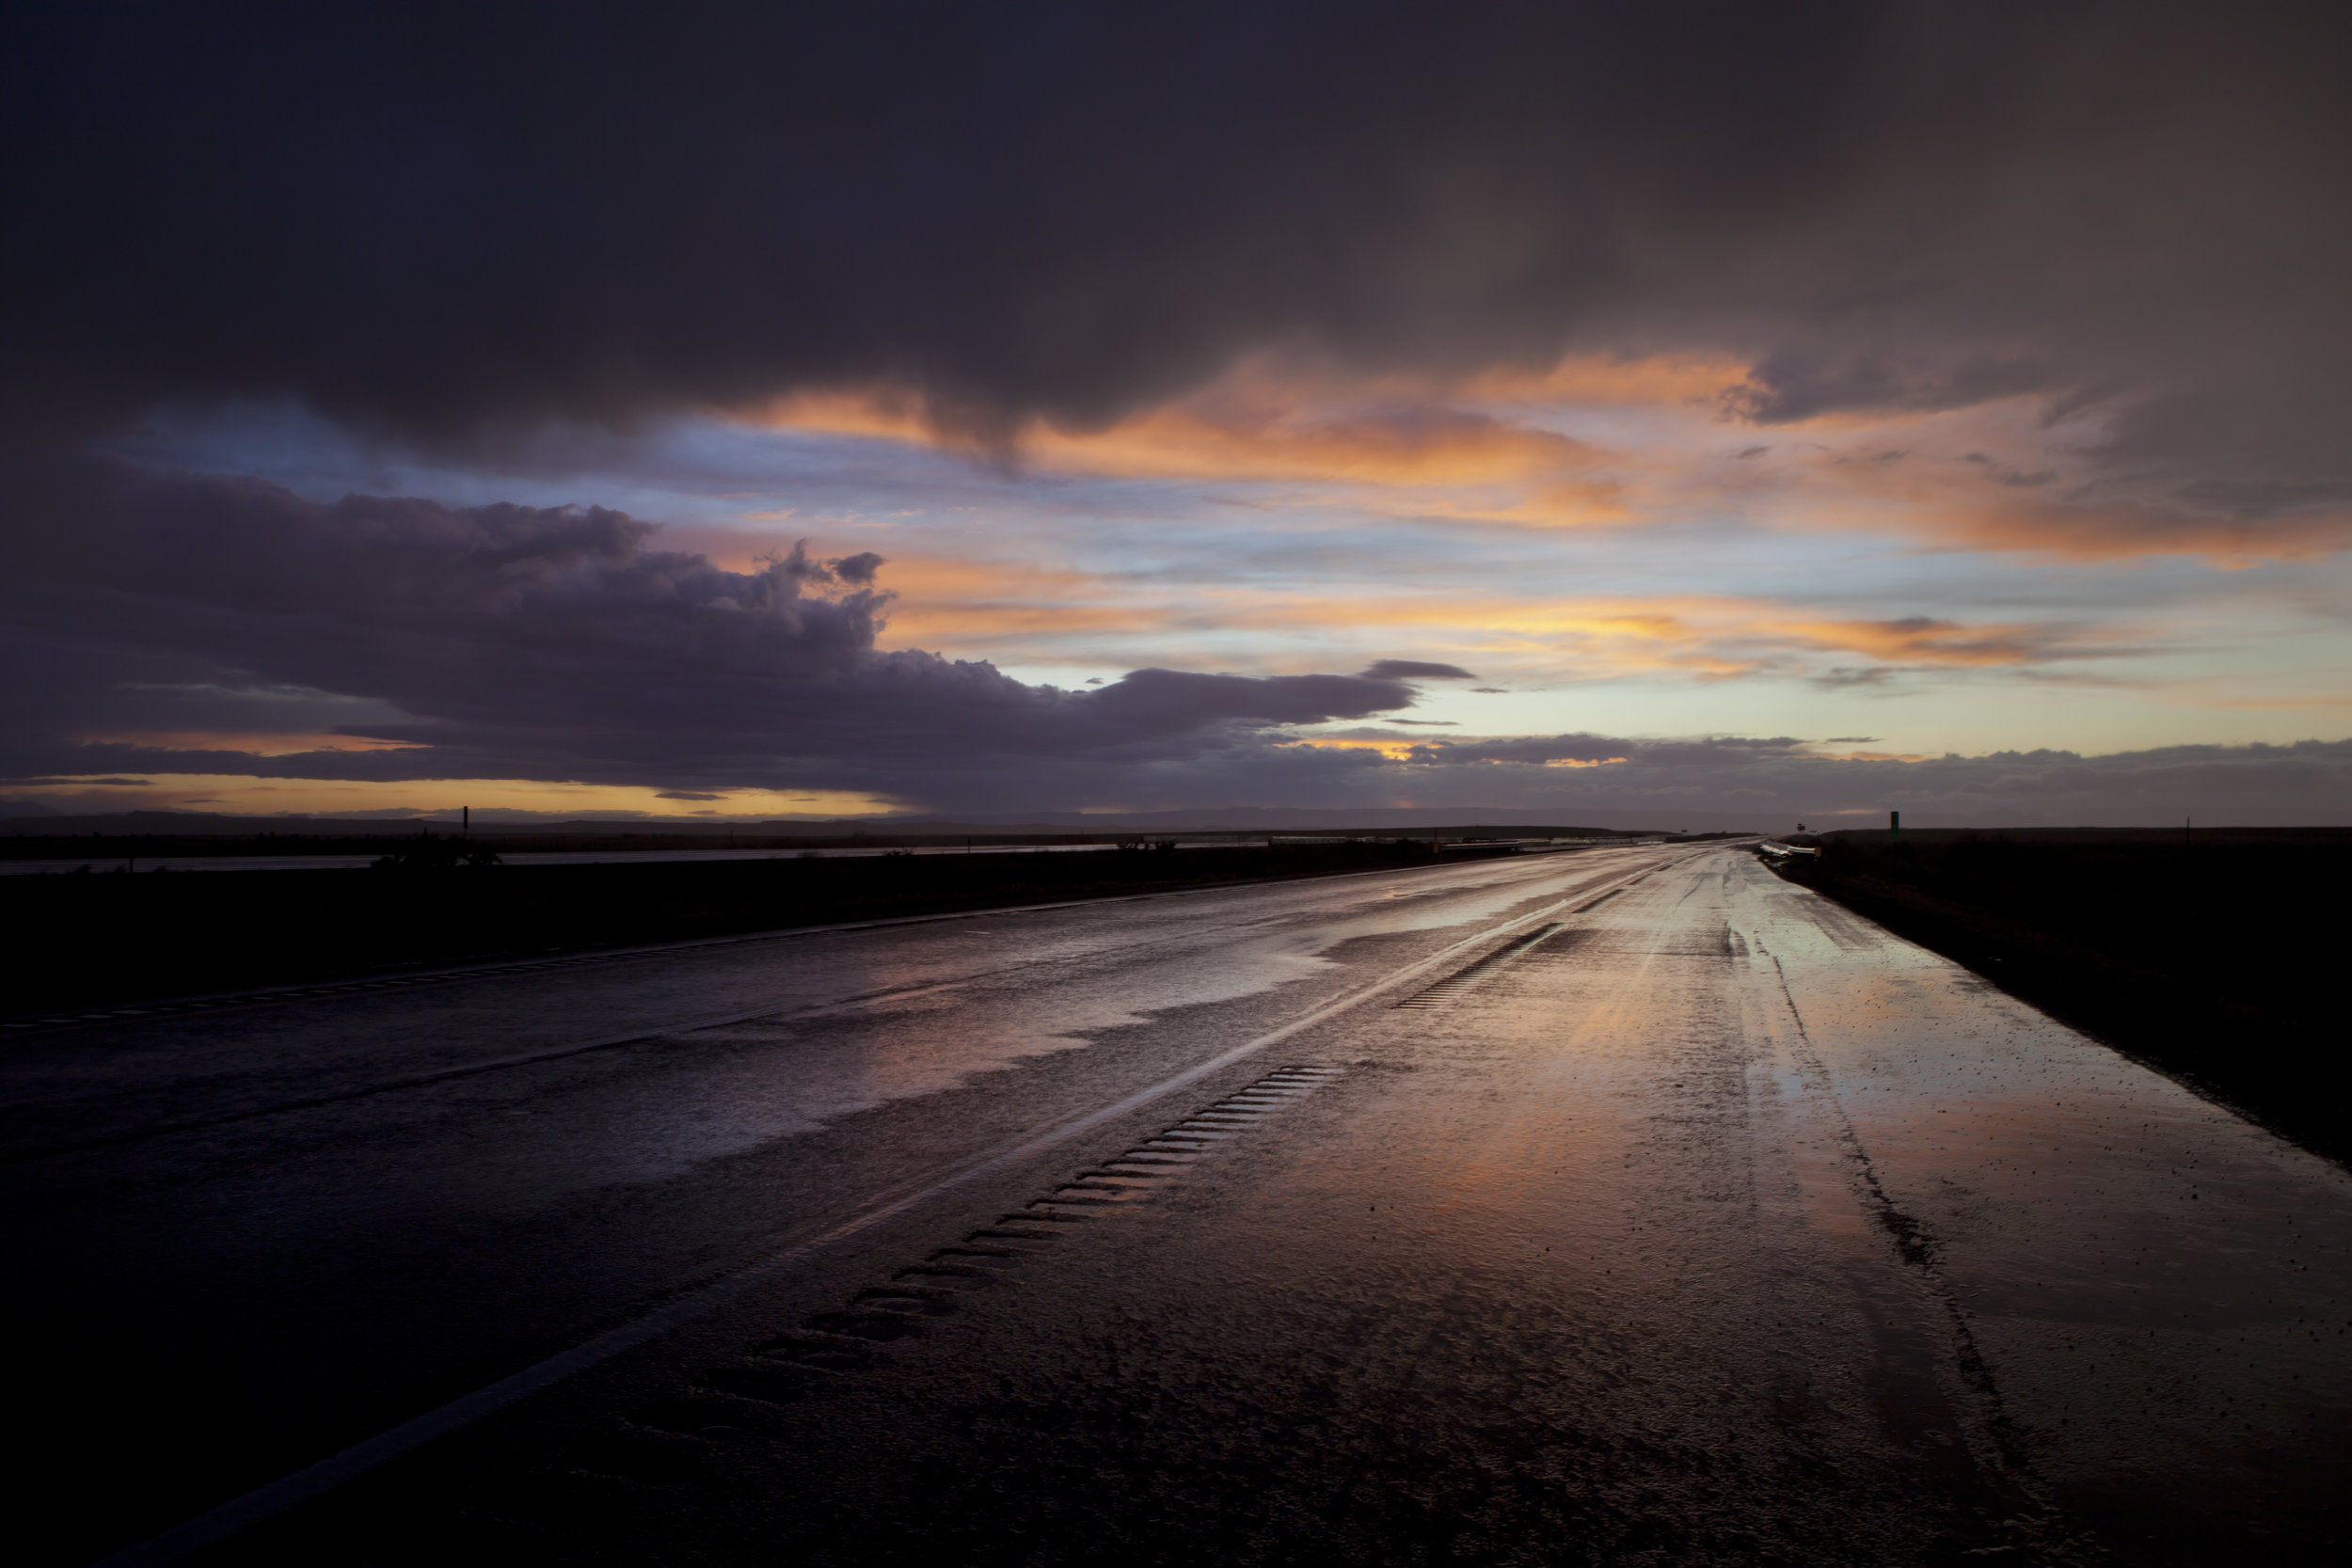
{"x":1703,"y":1224}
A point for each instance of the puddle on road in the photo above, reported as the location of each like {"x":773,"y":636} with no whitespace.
{"x":740,"y":1086}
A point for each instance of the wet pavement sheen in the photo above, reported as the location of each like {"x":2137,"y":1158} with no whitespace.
{"x":1705,"y":1223}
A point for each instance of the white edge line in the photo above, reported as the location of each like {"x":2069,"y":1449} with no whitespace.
{"x":218,"y":1523}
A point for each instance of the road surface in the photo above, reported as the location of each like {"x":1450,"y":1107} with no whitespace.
{"x":1627,"y":1207}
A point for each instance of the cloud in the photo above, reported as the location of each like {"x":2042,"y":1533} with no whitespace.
{"x":206,"y":627}
{"x":858,"y":569}
{"x":513,"y":643}
{"x":1018,"y":611}
{"x":1151,"y":700}
{"x":526,"y":657}
{"x":1055,"y":218}
{"x":1482,"y":451}
{"x":2058,"y":282}
{"x":1716,"y":637}
{"x":1845,"y":677}
{"x":2050,"y":486}
{"x":1263,"y":423}
{"x":1793,"y":386}
{"x":1769,"y":782}
{"x":1703,"y":754}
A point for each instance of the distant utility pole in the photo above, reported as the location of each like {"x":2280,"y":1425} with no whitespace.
{"x":464,"y":819}
{"x":1894,"y":824}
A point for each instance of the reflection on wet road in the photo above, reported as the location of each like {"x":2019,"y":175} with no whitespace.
{"x":1702,"y":1223}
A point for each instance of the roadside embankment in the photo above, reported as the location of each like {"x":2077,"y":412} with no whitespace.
{"x":2218,"y":959}
{"x":112,"y":937}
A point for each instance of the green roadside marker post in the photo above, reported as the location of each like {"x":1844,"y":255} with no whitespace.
{"x":1894,"y":824}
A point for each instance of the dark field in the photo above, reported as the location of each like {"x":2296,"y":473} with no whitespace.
{"x":2217,"y":958}
{"x":85,"y":941}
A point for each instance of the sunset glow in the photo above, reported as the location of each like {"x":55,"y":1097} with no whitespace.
{"x":1986,"y":482}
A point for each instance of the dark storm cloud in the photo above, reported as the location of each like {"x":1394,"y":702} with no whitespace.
{"x":1706,"y":753}
{"x":509,"y":642}
{"x":446,"y":223}
{"x":1773,"y":783}
{"x":1181,"y":699}
{"x":439,"y":218}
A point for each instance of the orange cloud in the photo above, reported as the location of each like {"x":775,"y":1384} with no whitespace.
{"x":231,"y":794}
{"x":1383,"y":446}
{"x":994,"y":606}
{"x":1998,"y":476}
{"x":1920,"y":639}
{"x":1233,"y":435}
{"x":1403,"y":747}
{"x":1696,"y":634}
{"x":1061,"y":617}
{"x":1397,"y":749}
{"x":1496,"y":448}
{"x":1400,"y":445}
{"x":1664,"y":381}
{"x":2105,"y":532}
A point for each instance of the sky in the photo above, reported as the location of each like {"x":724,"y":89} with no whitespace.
{"x":1736,"y":413}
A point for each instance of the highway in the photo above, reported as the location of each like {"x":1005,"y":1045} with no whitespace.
{"x":1624,"y":1205}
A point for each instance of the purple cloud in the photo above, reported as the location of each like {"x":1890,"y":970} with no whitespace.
{"x":516,"y":641}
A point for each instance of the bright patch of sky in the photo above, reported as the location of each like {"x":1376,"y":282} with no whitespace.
{"x":1680,"y":575}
